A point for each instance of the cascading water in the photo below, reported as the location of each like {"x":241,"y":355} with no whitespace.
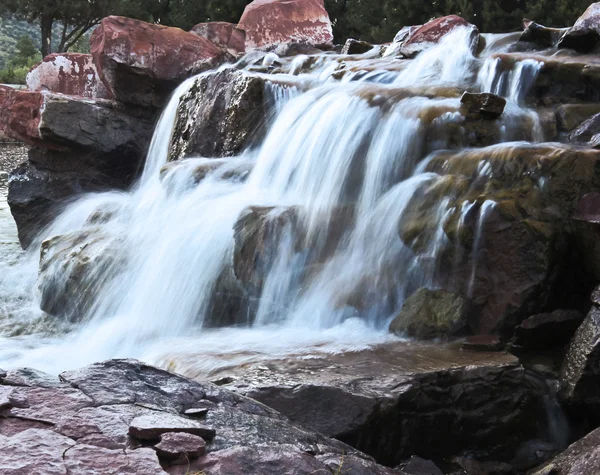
{"x":358,"y":143}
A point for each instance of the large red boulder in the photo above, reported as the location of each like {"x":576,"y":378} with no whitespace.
{"x":141,"y":63}
{"x":431,"y":33}
{"x":20,"y":114}
{"x":226,"y":35}
{"x":268,"y":23}
{"x":584,"y":36}
{"x":67,"y":73}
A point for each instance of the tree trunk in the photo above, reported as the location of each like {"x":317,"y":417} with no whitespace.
{"x":47,"y":21}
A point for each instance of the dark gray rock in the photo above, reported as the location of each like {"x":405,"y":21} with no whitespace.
{"x":419,"y":466}
{"x":485,"y":105}
{"x":585,"y":33}
{"x":398,"y":400}
{"x":540,"y":35}
{"x":219,"y":116}
{"x":547,"y":330}
{"x":581,"y":458}
{"x":153,"y":426}
{"x":81,"y":425}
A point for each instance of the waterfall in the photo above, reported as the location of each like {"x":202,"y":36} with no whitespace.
{"x":359,"y":144}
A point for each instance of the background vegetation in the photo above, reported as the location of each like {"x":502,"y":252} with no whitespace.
{"x":65,"y":25}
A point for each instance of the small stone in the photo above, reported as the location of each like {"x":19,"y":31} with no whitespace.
{"x":419,"y":466}
{"x":152,"y":426}
{"x":353,"y":46}
{"x":175,"y":444}
{"x":486,"y":105}
{"x":196,"y":412}
{"x":483,"y":343}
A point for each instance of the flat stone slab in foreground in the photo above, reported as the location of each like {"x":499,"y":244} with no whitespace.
{"x":124,"y":417}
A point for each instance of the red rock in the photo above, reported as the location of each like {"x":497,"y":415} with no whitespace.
{"x":67,"y":73}
{"x":268,"y":23}
{"x":226,"y":35}
{"x":141,"y":63}
{"x":432,"y":32}
{"x":20,"y":114}
{"x":175,"y":444}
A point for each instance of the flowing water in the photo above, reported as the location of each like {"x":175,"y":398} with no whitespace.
{"x":331,"y":144}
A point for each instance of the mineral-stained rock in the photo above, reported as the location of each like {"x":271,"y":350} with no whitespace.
{"x":429,"y":314}
{"x":396,"y":400}
{"x":582,"y":457}
{"x":226,"y":35}
{"x":488,"y":106}
{"x":173,"y":445}
{"x":142,"y":63}
{"x":547,"y":330}
{"x":429,"y":34}
{"x":219,"y":116}
{"x":585,"y":34}
{"x":73,"y":74}
{"x":268,"y":23}
{"x":87,"y":417}
{"x":151,"y":427}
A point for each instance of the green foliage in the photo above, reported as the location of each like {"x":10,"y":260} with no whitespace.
{"x":24,"y":58}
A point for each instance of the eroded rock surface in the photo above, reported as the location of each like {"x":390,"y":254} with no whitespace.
{"x":90,"y":422}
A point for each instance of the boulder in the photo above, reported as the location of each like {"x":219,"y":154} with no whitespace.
{"x":547,"y":330}
{"x":353,"y":46}
{"x":569,"y":116}
{"x":220,"y":115}
{"x":398,"y":399}
{"x":268,"y":23}
{"x":223,"y":34}
{"x":71,"y":267}
{"x":73,"y":74}
{"x":580,"y":372}
{"x":585,"y":33}
{"x":430,"y":314}
{"x":586,"y":131}
{"x":540,"y":35}
{"x":20,"y":114}
{"x":142,"y":63}
{"x":430,"y":34}
{"x":485,"y":105}
{"x":419,"y":466}
{"x":582,"y":457}
{"x":81,"y":425}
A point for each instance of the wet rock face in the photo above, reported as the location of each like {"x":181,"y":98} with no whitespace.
{"x":430,"y":314}
{"x":487,"y":106}
{"x":141,"y":63}
{"x":67,"y":73}
{"x":587,"y":132}
{"x":540,"y":35}
{"x":547,"y":330}
{"x":97,"y":419}
{"x":580,"y":372}
{"x":585,"y":34}
{"x":269,"y":23}
{"x":220,"y":115}
{"x":582,"y":457}
{"x":397,"y":400}
{"x":223,"y":34}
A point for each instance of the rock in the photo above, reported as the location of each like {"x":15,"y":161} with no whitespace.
{"x":482,"y":343}
{"x":585,"y":34}
{"x":87,"y":416}
{"x":395,"y":400}
{"x":430,"y":34}
{"x":142,"y":63}
{"x":221,"y":114}
{"x":588,"y":209}
{"x":579,"y":375}
{"x":430,"y":314}
{"x":70,"y":267}
{"x":73,"y":74}
{"x":151,"y":427}
{"x":486,"y":105}
{"x":268,"y":23}
{"x":474,"y":467}
{"x":419,"y":466}
{"x":547,"y":330}
{"x":570,"y":116}
{"x":39,"y":188}
{"x":586,"y":130}
{"x":582,"y":457}
{"x":174,"y":445}
{"x":20,"y":114}
{"x":587,"y":233}
{"x":223,"y":34}
{"x":540,"y":35}
{"x":199,"y":169}
{"x":353,"y":46}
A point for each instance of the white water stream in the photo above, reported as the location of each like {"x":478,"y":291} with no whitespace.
{"x":328,"y":146}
